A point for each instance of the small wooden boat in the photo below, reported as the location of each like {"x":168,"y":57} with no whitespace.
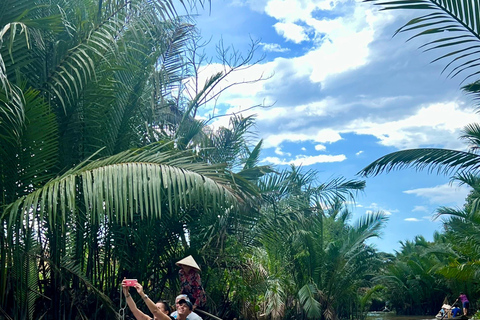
{"x":447,"y":317}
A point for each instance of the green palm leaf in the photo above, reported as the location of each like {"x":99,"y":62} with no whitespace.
{"x":72,"y":268}
{"x":440,"y":160}
{"x":457,"y":24}
{"x":137,"y":174}
{"x":307,"y":299}
{"x":471,"y":134}
{"x":369,"y":226}
{"x":334,"y":189}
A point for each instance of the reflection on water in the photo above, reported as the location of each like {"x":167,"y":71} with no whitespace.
{"x":392,"y":316}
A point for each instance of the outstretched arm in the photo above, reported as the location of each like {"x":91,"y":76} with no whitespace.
{"x":139,"y":315}
{"x":157,"y":313}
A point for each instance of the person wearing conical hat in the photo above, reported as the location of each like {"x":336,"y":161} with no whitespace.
{"x":190,"y":281}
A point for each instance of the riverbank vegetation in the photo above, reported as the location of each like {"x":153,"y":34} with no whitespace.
{"x":106,"y":173}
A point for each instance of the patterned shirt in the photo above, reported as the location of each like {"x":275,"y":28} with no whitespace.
{"x":191,"y":285}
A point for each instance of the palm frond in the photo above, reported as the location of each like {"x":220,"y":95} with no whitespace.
{"x":456,"y":23}
{"x":12,"y":117}
{"x":72,"y":268}
{"x":368,"y":295}
{"x":369,"y":226}
{"x":447,"y":211}
{"x":307,"y":299}
{"x":253,"y":157}
{"x":329,"y":192}
{"x":147,"y":180}
{"x":275,"y":297}
{"x":39,"y":141}
{"x":461,"y":271}
{"x":442,"y":161}
{"x":473,"y":89}
{"x":253,"y":174}
{"x":170,"y":63}
{"x":274,"y":186}
{"x":193,"y":105}
{"x":471,"y":133}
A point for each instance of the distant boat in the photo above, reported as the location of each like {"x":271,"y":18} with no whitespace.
{"x":443,"y":317}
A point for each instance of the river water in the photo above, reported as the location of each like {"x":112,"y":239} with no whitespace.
{"x":393,"y":316}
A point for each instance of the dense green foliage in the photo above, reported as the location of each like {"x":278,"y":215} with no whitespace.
{"x":95,"y":181}
{"x":105,"y":173}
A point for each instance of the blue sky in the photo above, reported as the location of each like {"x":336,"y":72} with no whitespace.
{"x":343,"y":92}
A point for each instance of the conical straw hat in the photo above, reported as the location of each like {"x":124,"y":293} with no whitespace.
{"x":189,"y":262}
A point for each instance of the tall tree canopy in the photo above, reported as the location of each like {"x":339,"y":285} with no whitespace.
{"x":90,"y":153}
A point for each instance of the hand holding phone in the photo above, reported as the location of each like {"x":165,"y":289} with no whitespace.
{"x":130,"y":282}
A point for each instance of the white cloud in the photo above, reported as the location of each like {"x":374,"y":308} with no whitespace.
{"x":342,"y":52}
{"x":279,"y":151}
{"x":359,"y":153}
{"x":344,"y":46}
{"x":351,"y":68}
{"x":320,"y":147}
{"x":289,"y":10}
{"x":305,"y":160}
{"x":321,"y":136}
{"x":342,"y":43}
{"x":420,"y":209}
{"x":412,"y":219}
{"x":385,"y":212}
{"x":375,"y":207}
{"x":442,"y":194}
{"x":273,"y":47}
{"x":291,"y":31}
{"x":431,"y":124}
{"x":434,"y":123}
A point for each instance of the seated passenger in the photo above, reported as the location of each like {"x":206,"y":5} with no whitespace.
{"x":192,"y":315}
{"x":456,"y":311}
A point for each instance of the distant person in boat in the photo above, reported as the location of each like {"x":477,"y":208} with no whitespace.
{"x":456,"y":311}
{"x":445,"y":312}
{"x":160,"y":310}
{"x":192,"y":315}
{"x":465,"y":303}
{"x":190,"y":281}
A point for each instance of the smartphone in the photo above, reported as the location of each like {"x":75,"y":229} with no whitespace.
{"x":130,"y":282}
